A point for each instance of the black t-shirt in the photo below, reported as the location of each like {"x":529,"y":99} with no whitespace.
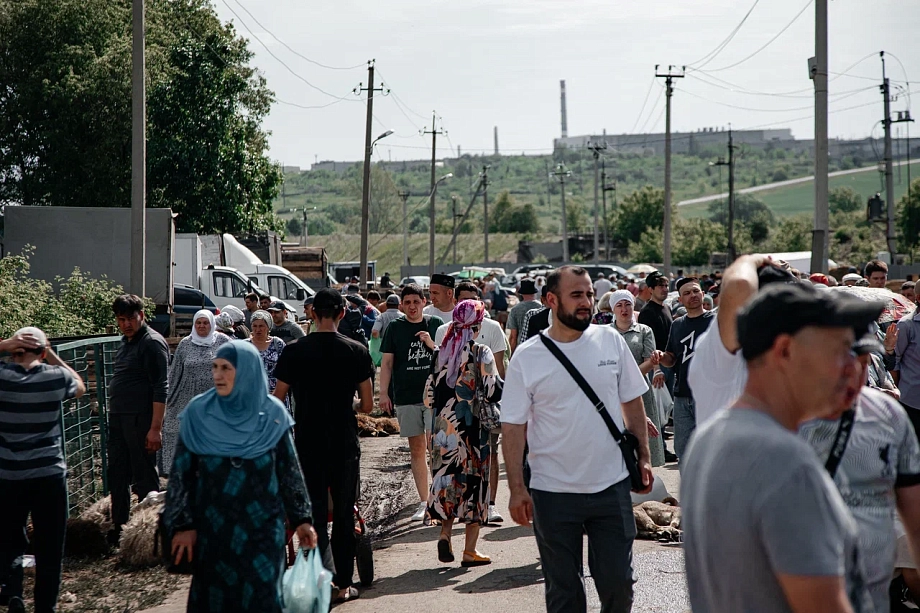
{"x":411,"y":358}
{"x":658,"y":318}
{"x":324,"y":370}
{"x":685,"y":334}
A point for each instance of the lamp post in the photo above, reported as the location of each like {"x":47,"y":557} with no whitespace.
{"x":365,"y":201}
{"x":431,"y":198}
{"x":306,"y":233}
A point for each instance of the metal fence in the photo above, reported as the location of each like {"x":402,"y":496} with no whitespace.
{"x":84,"y":420}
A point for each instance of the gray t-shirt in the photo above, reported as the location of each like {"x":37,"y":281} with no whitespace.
{"x":757,"y":503}
{"x":516,"y":314}
{"x":882,"y":454}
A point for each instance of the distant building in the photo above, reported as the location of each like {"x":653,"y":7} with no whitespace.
{"x":333,"y":166}
{"x":290,"y":169}
{"x":681,"y":142}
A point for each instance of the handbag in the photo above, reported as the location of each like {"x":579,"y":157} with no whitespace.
{"x":626,"y":440}
{"x":488,"y":411}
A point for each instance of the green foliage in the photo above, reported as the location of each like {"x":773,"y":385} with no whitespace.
{"x":575,"y":215}
{"x":638,"y":211}
{"x":747,"y":209}
{"x":507,"y":216}
{"x":293,"y":228}
{"x":693,"y":242}
{"x":792,"y":234}
{"x":66,"y":112}
{"x":844,"y":199}
{"x":908,"y":221}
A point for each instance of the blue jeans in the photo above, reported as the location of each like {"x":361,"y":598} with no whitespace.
{"x":684,"y":423}
{"x":560,"y":521}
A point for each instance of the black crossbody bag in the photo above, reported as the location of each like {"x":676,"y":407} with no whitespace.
{"x":840,"y":442}
{"x":626,"y":440}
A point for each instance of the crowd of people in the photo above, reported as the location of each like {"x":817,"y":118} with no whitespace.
{"x":792,"y":412}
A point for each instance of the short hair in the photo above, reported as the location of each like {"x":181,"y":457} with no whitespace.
{"x":908,"y":285}
{"x":373,"y":295}
{"x":252,"y":296}
{"x":875,"y":266}
{"x":555,"y":276}
{"x":685,"y":281}
{"x":264,"y":297}
{"x":327,"y":312}
{"x":127,"y":305}
{"x":412,"y":289}
{"x":466,"y":286}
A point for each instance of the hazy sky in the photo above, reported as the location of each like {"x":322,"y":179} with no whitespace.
{"x":485,"y":63}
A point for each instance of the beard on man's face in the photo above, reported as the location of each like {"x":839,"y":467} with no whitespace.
{"x":572,"y":319}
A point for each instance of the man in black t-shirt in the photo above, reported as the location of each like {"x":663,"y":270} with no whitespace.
{"x":684,"y":334}
{"x":655,"y":314}
{"x":325,"y":370}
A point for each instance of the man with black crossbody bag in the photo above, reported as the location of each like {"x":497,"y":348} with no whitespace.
{"x":575,"y":393}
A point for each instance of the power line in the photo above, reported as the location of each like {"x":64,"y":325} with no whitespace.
{"x":409,"y":108}
{"x":295,"y":52}
{"x":793,"y":109}
{"x":737,"y":90}
{"x":651,"y":113}
{"x":715,"y":52}
{"x":644,"y":102}
{"x":768,"y":43}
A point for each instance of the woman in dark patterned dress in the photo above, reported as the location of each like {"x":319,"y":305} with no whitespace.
{"x":235,"y":479}
{"x":460,"y":446}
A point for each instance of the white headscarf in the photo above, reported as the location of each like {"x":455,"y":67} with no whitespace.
{"x":204,"y":341}
{"x":619,"y":296}
{"x":236,"y":315}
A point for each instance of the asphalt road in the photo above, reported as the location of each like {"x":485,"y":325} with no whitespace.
{"x":410,"y":578}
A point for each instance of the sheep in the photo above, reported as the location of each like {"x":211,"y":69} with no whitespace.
{"x":137,"y":545}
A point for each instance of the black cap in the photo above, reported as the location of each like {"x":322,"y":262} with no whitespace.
{"x":277,"y":305}
{"x":442,"y":279}
{"x":308,"y":300}
{"x":652,"y":279}
{"x":787,"y":308}
{"x":328,"y":299}
{"x":528,"y":287}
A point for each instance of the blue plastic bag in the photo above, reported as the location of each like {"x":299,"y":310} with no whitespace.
{"x":307,"y":586}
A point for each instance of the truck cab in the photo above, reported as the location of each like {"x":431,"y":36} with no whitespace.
{"x":280,"y":282}
{"x":225,"y":285}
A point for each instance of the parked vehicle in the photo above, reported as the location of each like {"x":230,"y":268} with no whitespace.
{"x":421,"y":281}
{"x":609,"y":270}
{"x":187,"y":301}
{"x":526,"y":269}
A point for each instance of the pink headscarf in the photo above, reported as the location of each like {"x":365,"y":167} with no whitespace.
{"x":467,"y":314}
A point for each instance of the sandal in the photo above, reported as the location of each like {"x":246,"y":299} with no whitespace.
{"x":345,"y":594}
{"x":477,"y":560}
{"x":445,"y":551}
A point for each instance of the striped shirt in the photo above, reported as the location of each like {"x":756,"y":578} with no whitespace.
{"x":30,"y":420}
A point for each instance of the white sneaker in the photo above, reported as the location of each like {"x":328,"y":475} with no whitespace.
{"x":420,"y":513}
{"x":494,"y":516}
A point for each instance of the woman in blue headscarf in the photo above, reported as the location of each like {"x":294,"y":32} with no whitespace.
{"x":235,"y":479}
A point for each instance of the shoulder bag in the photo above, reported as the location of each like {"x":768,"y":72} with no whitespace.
{"x":840,"y":441}
{"x":626,"y":440}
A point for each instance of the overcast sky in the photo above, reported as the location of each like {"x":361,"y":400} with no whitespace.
{"x":486,"y":63}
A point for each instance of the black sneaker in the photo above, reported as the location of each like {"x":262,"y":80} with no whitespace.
{"x":669,"y":456}
{"x":16,"y":605}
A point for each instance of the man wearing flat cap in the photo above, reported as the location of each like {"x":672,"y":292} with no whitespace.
{"x":764,"y":527}
{"x":441,"y":292}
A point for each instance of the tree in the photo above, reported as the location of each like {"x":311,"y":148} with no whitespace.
{"x":747,"y":208}
{"x":793,"y":234}
{"x":642,"y":209}
{"x":65,"y":112}
{"x":506,"y":216}
{"x":908,"y":221}
{"x":385,"y":205}
{"x":844,"y":199}
{"x":293,"y":227}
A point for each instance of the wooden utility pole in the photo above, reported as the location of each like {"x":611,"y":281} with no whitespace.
{"x":405,"y":198}
{"x":484,"y":182}
{"x":669,"y":77}
{"x":596,"y":148}
{"x":453,"y":211}
{"x":366,"y":191}
{"x":431,"y":197}
{"x":138,"y":153}
{"x":732,"y":252}
{"x":818,"y":71}
{"x":889,"y":175}
{"x":561,"y":173}
{"x":604,"y":189}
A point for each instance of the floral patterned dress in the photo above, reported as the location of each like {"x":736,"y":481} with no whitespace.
{"x":189,"y":375}
{"x":270,"y":360}
{"x":460,"y":446}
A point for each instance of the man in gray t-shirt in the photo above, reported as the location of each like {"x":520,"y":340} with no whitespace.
{"x":765,"y":530}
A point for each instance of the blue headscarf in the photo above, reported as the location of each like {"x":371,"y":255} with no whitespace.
{"x":245,"y":424}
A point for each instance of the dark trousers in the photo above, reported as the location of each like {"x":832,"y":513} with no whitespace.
{"x":914,"y":415}
{"x":46,"y":499}
{"x":129,"y":462}
{"x":340,"y":481}
{"x":559,"y":522}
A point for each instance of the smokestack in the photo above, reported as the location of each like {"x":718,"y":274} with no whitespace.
{"x":565,"y":127}
{"x":495,"y":132}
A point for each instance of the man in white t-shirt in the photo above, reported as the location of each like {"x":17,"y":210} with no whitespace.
{"x":441,"y":292}
{"x":601,"y":286}
{"x":492,"y":336}
{"x":718,"y":373}
{"x":579,"y":481}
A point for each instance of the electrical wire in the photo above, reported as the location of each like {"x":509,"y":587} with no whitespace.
{"x":644,"y":102}
{"x":793,"y":109}
{"x":396,"y":97}
{"x":651,"y":113}
{"x":768,"y":43}
{"x":715,"y":52}
{"x":772,"y":94}
{"x":295,"y":52}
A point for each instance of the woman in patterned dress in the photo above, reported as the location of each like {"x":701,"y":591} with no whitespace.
{"x":641,"y":342}
{"x":269,"y":347}
{"x":189,"y":375}
{"x":236,"y":479}
{"x":460,"y":445}
{"x":604,"y":315}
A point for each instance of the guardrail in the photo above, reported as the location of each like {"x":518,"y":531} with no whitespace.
{"x":84,"y":420}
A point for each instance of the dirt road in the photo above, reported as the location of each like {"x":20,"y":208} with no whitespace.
{"x":410,"y":578}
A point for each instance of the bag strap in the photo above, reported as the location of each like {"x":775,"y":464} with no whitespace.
{"x":840,"y":441}
{"x":585,"y":387}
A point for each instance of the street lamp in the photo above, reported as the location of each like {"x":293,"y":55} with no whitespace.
{"x":306,"y":232}
{"x":366,"y":200}
{"x":431,"y":198}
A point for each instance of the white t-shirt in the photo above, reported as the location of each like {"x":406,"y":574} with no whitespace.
{"x":571,"y":449}
{"x":717,"y":376}
{"x":444,"y":315}
{"x":601,"y":287}
{"x":490,"y":334}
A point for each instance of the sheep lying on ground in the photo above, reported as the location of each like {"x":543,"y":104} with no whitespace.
{"x":137,"y":545}
{"x":658,"y":520}
{"x":376,"y":426}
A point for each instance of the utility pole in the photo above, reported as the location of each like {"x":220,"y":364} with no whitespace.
{"x":668,"y":77}
{"x":453,"y":210}
{"x":368,"y":147}
{"x":405,"y":198}
{"x":561,"y":173}
{"x":304,"y":222}
{"x":604,"y":189}
{"x":818,"y":71}
{"x":889,"y":176}
{"x":596,"y":148}
{"x":732,"y":252}
{"x":484,"y":181}
{"x":138,"y":152}
{"x":434,"y":135}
